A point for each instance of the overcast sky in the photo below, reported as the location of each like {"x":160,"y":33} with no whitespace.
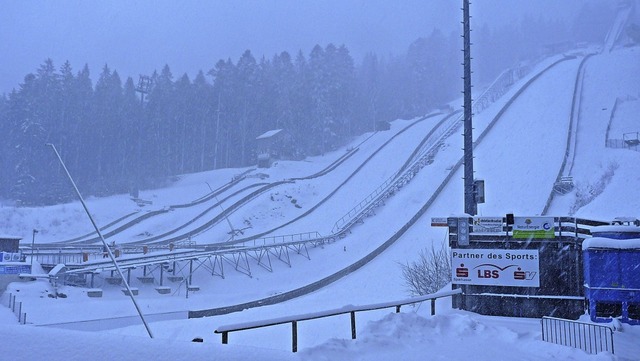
{"x":139,"y":36}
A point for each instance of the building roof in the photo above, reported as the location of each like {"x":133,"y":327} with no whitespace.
{"x":6,"y":236}
{"x":269,"y":134}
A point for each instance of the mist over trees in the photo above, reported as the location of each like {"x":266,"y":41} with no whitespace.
{"x":112,"y":142}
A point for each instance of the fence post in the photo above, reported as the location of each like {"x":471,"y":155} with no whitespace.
{"x":433,"y":307}
{"x":225,"y":337}
{"x":398,"y":309}
{"x":353,"y":325}
{"x":294,"y":336}
{"x":611,"y":334}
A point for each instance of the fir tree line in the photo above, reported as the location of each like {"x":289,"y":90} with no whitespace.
{"x":113,"y":142}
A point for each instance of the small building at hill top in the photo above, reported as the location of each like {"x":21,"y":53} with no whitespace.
{"x":274,"y":145}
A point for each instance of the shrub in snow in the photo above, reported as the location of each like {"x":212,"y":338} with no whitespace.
{"x":429,"y":273}
{"x":588,"y":192}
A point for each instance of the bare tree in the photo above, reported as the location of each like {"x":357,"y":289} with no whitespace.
{"x":429,"y":273}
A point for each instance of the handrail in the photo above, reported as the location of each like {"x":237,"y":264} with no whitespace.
{"x":294,"y":319}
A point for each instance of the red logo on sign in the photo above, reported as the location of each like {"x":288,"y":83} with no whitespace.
{"x":523,"y":275}
{"x":462,"y":271}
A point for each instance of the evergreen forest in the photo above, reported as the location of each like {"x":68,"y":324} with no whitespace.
{"x":118,"y":135}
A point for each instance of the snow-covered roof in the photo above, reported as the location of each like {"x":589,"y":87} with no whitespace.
{"x":269,"y":134}
{"x":600,"y":242}
{"x":6,"y":236}
{"x":616,"y":229}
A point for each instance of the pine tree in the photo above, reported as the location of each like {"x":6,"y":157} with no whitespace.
{"x":204,"y":101}
{"x":225,"y":93}
{"x":247,"y":73}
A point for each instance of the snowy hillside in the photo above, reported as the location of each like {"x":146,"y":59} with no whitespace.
{"x":519,"y":158}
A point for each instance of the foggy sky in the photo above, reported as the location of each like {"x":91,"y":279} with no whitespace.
{"x":140,"y":36}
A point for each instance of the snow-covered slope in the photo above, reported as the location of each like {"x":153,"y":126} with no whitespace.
{"x":518,"y":159}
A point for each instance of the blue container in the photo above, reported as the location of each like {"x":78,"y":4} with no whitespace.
{"x":612,"y":284}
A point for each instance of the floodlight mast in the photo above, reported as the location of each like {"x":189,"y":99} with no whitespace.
{"x":470,"y":202}
{"x":104,"y":242}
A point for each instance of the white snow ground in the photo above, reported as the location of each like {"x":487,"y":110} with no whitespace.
{"x":519,"y":160}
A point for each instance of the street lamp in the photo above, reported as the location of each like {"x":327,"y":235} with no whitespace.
{"x":33,"y":241}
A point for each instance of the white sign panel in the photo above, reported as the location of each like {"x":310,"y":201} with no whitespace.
{"x":487,"y":225}
{"x":439,"y":222}
{"x":495,"y":267}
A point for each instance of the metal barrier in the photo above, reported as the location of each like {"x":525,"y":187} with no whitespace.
{"x":16,"y":308}
{"x":585,"y":336}
{"x":224,"y":330}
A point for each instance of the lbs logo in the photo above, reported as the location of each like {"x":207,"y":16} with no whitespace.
{"x":488,"y":270}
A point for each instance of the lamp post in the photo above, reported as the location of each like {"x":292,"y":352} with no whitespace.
{"x":33,"y":241}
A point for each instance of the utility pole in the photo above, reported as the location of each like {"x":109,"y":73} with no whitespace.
{"x":217,"y":138}
{"x":470,"y":202}
{"x":143,"y":87}
{"x":33,"y":243}
{"x":144,"y":84}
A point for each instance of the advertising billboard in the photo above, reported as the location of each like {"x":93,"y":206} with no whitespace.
{"x":533,"y":227}
{"x":495,"y":267}
{"x":487,"y":225}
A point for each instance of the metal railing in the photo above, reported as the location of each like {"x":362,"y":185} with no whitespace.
{"x":585,"y":336}
{"x":271,"y":240}
{"x":621,"y":144}
{"x":498,"y":88}
{"x":293,"y":320}
{"x":16,"y":308}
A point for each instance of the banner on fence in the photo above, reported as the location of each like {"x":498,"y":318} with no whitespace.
{"x":533,"y":227}
{"x":487,"y":225}
{"x":14,"y":269}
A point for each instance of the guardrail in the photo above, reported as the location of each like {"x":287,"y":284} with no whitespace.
{"x":226,"y":329}
{"x":586,"y":336}
{"x":289,"y":238}
{"x":357,"y":209}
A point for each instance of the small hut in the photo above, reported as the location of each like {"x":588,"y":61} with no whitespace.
{"x":273,"y":145}
{"x":9,"y":243}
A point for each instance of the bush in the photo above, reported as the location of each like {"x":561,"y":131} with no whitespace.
{"x":429,"y":273}
{"x":588,"y":192}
